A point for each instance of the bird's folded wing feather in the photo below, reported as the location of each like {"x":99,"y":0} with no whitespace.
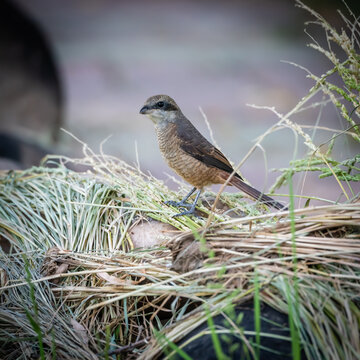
{"x":194,"y":144}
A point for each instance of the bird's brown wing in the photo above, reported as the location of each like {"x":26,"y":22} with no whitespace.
{"x":194,"y":144}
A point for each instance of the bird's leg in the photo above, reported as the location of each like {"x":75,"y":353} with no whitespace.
{"x":192,"y":209}
{"x":182,"y":203}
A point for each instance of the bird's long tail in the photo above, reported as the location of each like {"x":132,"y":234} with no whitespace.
{"x":241,"y":185}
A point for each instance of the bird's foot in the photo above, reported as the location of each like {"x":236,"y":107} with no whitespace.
{"x":187,"y":212}
{"x":178,"y":204}
{"x":184,"y":204}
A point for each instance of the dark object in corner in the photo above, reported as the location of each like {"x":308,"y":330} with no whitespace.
{"x":31,"y":96}
{"x":272,"y":323}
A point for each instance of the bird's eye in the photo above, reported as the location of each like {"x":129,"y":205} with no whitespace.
{"x":160,"y":104}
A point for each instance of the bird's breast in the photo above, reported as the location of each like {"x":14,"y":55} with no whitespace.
{"x":190,"y":169}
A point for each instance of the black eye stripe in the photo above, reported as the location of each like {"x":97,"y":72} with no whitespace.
{"x":164,"y":105}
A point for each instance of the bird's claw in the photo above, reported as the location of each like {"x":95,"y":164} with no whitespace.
{"x":178,"y":204}
{"x":184,"y":204}
{"x":187,"y":212}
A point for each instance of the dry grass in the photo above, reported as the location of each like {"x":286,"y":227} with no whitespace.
{"x":71,"y":231}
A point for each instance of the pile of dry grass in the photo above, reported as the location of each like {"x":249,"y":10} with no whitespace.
{"x":73,"y":286}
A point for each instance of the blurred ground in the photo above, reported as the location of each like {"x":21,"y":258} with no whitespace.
{"x":217,"y":55}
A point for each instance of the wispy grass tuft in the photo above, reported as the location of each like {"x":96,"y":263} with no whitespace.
{"x":338,"y":86}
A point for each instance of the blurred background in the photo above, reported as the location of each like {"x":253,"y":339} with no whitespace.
{"x":88,"y":66}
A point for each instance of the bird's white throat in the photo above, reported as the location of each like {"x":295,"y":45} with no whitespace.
{"x":161,"y":118}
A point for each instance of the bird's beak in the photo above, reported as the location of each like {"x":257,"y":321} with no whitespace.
{"x":144,"y":110}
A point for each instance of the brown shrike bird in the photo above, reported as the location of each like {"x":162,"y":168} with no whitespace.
{"x":190,"y":155}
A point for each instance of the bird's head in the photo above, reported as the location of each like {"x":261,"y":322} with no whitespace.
{"x":161,"y":109}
